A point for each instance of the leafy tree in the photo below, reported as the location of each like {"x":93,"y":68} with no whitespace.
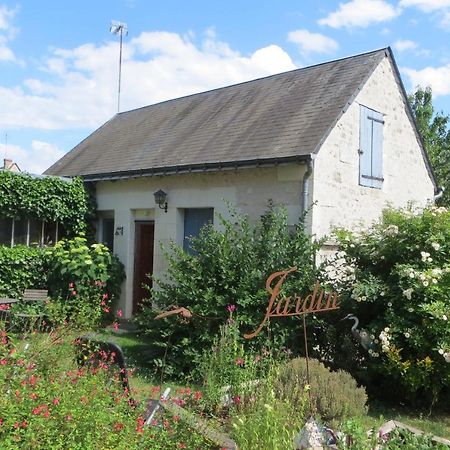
{"x":435,"y":131}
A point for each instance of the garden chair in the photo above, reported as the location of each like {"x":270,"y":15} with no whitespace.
{"x":31,"y":313}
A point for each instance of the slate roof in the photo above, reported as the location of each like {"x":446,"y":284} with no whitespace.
{"x":279,"y":118}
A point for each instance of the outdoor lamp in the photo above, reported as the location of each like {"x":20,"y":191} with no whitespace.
{"x":161,"y":199}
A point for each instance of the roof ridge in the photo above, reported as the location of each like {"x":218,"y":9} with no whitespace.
{"x":383,"y":49}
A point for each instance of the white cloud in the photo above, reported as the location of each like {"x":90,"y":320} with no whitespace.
{"x":312,"y":42}
{"x":404,"y":45}
{"x":7,"y":33}
{"x":360,"y":13}
{"x":79,"y":86}
{"x":426,"y":5}
{"x":37,"y":158}
{"x":436,"y":77}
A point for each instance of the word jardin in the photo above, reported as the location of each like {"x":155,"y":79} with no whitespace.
{"x":318,"y":301}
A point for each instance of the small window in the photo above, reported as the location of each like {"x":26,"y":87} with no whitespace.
{"x":108,"y":233}
{"x":371,"y":148}
{"x":194,"y":220}
{"x":35,"y":233}
{"x":5,"y":231}
{"x":51,"y":230}
{"x":20,"y":232}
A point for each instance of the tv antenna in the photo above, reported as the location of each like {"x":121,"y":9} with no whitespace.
{"x":120,"y":29}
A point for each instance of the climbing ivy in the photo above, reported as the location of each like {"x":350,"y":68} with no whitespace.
{"x":50,"y":199}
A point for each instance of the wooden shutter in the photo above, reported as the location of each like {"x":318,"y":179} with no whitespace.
{"x":194,"y":220}
{"x":371,"y":148}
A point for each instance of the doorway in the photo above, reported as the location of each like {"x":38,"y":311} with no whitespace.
{"x":143,"y":261}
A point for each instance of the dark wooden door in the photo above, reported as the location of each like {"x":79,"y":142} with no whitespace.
{"x":143,"y":261}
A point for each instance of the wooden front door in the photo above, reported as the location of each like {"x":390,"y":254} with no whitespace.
{"x":143,"y":261}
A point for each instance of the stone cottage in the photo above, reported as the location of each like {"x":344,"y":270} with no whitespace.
{"x":339,"y":136}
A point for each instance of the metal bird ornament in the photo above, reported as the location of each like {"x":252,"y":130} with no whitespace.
{"x":362,"y":336}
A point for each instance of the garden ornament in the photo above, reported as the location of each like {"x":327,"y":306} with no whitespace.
{"x":314,"y":436}
{"x":183,"y":312}
{"x":362,"y":336}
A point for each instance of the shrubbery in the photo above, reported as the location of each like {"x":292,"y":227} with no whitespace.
{"x":20,"y":268}
{"x":333,"y":395}
{"x":82,"y":280}
{"x":395,"y":278}
{"x":230,"y":266}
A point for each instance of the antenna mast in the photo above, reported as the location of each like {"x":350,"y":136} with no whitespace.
{"x":121,"y":29}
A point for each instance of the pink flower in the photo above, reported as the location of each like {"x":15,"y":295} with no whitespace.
{"x":115,"y":326}
{"x":237,"y":399}
{"x":119,"y":313}
{"x":105,"y":296}
{"x":3,"y":361}
{"x":231,"y":308}
{"x":240,"y":362}
{"x":71,"y":285}
{"x":74,"y":293}
{"x":56,"y":401}
{"x":69,"y":418}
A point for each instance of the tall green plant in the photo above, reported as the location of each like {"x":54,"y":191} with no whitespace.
{"x":230,"y":266}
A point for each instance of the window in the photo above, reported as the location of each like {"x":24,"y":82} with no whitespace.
{"x":371,"y":148}
{"x":194,"y":220}
{"x":29,"y":232}
{"x":108,"y":233}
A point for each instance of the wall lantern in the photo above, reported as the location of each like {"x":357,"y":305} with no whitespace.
{"x":161,"y":199}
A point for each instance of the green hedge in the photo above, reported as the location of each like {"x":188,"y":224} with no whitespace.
{"x":21,"y":267}
{"x":50,"y":199}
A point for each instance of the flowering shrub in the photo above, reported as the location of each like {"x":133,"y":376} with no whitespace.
{"x":48,"y":402}
{"x":83,"y":280}
{"x":395,"y":278}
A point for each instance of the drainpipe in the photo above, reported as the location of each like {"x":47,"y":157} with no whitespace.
{"x":305,"y":184}
{"x":439,"y":194}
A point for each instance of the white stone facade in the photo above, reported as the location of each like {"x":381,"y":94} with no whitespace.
{"x":340,"y":200}
{"x":248,"y":191}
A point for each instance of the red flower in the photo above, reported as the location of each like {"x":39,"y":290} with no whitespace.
{"x":33,"y":396}
{"x":237,"y":399}
{"x":197,"y":395}
{"x":140,"y":425}
{"x":118,"y":426}
{"x":3,"y":361}
{"x":182,"y":445}
{"x":55,"y":401}
{"x":16,"y":425}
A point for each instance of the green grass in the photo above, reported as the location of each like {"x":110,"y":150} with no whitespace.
{"x":435,"y":424}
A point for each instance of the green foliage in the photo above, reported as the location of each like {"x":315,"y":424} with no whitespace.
{"x":435,"y":131}
{"x":21,"y":267}
{"x":83,"y":279}
{"x":333,"y":395}
{"x":230,"y":373}
{"x":268,"y":422}
{"x":48,"y":402}
{"x":46,"y":198}
{"x":229,"y":267}
{"x":397,"y":282}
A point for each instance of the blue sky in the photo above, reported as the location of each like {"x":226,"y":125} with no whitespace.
{"x":59,"y":62}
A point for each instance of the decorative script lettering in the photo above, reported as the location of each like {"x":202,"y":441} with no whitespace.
{"x":318,"y":301}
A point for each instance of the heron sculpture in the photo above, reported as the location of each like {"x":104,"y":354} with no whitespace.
{"x":362,"y":336}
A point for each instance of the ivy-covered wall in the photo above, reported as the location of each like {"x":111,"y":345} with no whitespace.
{"x":50,"y":199}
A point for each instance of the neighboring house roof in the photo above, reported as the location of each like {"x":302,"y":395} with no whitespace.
{"x":10,"y":165}
{"x":279,"y":118}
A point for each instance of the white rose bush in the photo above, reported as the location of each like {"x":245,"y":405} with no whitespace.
{"x":400,"y":291}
